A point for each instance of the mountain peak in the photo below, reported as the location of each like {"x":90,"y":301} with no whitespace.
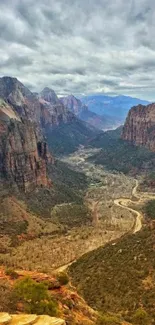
{"x":49,"y":95}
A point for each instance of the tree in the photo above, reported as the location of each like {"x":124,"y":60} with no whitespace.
{"x":108,"y":320}
{"x":141,"y":317}
{"x":35,"y":297}
{"x":63,"y":278}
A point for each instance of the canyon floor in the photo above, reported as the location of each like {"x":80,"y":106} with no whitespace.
{"x":115,"y":205}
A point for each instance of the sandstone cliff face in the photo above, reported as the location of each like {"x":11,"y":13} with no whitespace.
{"x":53,"y":112}
{"x":43,"y":109}
{"x":74,"y":105}
{"x":23,"y":157}
{"x":139,"y":128}
{"x":24,"y":102}
{"x":23,"y":149}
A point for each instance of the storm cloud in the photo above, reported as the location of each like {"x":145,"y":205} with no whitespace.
{"x":80,"y":47}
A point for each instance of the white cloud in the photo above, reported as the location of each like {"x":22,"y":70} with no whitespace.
{"x":80,"y":46}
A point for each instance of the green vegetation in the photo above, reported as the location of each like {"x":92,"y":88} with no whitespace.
{"x":10,"y":227}
{"x":67,"y":186}
{"x":71,"y":215}
{"x":67,"y":137}
{"x":35,"y":297}
{"x":63,"y":278}
{"x":141,"y":317}
{"x":119,"y":278}
{"x":149,"y":182}
{"x":12,"y":273}
{"x":149,"y":209}
{"x":6,"y":299}
{"x":108,"y":320}
{"x":120,"y":155}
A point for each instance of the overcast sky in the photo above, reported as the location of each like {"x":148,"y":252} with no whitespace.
{"x":80,"y":46}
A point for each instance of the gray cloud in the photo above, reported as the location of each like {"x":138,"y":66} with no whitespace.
{"x":80,"y":47}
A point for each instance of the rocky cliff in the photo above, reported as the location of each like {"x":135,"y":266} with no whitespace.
{"x":43,"y":109}
{"x":23,"y":155}
{"x":27,"y":121}
{"x":53,"y":111}
{"x":74,"y":105}
{"x":23,"y":149}
{"x":139,"y":128}
{"x":82,"y":111}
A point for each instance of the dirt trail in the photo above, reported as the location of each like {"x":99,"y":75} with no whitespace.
{"x":121,"y":202}
{"x":125,"y":202}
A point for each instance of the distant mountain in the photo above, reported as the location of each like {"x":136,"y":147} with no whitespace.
{"x":116,"y":107}
{"x":63,"y":129}
{"x":82,"y":111}
{"x":29,"y":123}
{"x":74,"y":105}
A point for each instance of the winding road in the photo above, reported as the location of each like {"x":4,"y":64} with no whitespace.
{"x":124,"y":204}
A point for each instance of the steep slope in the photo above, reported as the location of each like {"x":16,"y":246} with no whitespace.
{"x":119,"y":277}
{"x":54,"y":113}
{"x":21,"y":98}
{"x":139,"y":128}
{"x":69,"y":306}
{"x":23,"y":153}
{"x":64,"y":131}
{"x":120,"y":155}
{"x":117,"y":106}
{"x":74,"y":105}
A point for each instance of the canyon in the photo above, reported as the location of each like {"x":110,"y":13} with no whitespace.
{"x":58,"y":207}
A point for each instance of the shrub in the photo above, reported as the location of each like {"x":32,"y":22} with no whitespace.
{"x":108,"y":320}
{"x":63,"y":278}
{"x":35,"y":297}
{"x":12,"y":273}
{"x":6,"y":301}
{"x":141,"y":317}
{"x":150,"y":209}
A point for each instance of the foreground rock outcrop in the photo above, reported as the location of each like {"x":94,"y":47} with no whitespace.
{"x":23,"y":319}
{"x":139,"y":128}
{"x":71,"y":308}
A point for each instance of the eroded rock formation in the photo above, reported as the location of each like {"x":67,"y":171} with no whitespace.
{"x":23,"y":156}
{"x":23,"y":149}
{"x":53,"y":111}
{"x":74,"y":105}
{"x":139,"y":128}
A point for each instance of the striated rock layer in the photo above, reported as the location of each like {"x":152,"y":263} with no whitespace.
{"x":74,"y":105}
{"x":53,"y":112}
{"x":22,"y":156}
{"x":139,"y":128}
{"x":23,"y":149}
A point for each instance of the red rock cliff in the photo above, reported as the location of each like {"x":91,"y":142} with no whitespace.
{"x":23,"y":149}
{"x":139,"y":128}
{"x":22,"y":156}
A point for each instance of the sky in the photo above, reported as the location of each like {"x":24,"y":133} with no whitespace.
{"x":80,"y":46}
